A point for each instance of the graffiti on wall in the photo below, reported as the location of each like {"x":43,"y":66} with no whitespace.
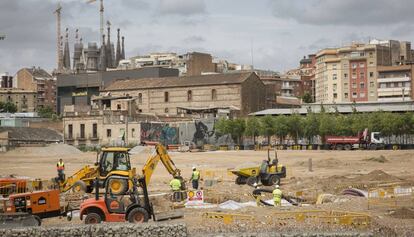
{"x":202,"y":132}
{"x":159,"y":132}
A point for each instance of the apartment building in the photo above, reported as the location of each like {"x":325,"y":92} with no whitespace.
{"x":25,"y":100}
{"x":395,"y":83}
{"x":37,"y":79}
{"x":307,"y":74}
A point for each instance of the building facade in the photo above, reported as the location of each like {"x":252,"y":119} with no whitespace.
{"x":395,"y":83}
{"x":25,"y":100}
{"x":77,"y":89}
{"x":37,"y":79}
{"x":165,"y":96}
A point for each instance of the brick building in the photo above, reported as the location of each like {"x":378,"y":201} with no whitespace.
{"x":25,"y":100}
{"x":164,"y":96}
{"x":307,"y":74}
{"x":37,"y":79}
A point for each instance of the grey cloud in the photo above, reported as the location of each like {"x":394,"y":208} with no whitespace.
{"x":349,"y":12}
{"x":194,"y":39}
{"x":182,"y":7}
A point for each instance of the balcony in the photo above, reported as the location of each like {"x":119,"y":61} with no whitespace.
{"x":287,"y":87}
{"x":69,"y":138}
{"x":393,"y":79}
{"x":394,"y":91}
{"x":80,"y":138}
{"x":93,"y":137}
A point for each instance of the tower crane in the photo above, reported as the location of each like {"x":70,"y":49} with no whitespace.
{"x":101,"y":11}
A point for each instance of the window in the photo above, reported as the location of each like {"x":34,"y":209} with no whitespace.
{"x":335,"y":95}
{"x":133,"y":132}
{"x":383,"y":85}
{"x":354,"y":95}
{"x":346,"y":85}
{"x":346,"y":95}
{"x":82,"y":130}
{"x":166,"y":96}
{"x":371,"y":93}
{"x":354,"y":76}
{"x":371,"y":84}
{"x":108,"y":132}
{"x":334,"y":77}
{"x":362,"y":65}
{"x":95,"y":130}
{"x":354,"y":85}
{"x":140,"y":98}
{"x":213,"y":94}
{"x":354,"y":65}
{"x":118,"y":107}
{"x":362,"y":85}
{"x":334,"y":87}
{"x":362,"y":94}
{"x":361,"y":75}
{"x":70,"y":131}
{"x":345,"y":75}
{"x":371,"y":74}
{"x":166,"y":110}
{"x":189,"y":95}
{"x":334,"y":66}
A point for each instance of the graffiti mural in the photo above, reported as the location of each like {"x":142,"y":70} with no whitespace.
{"x":202,"y":132}
{"x":159,"y":132}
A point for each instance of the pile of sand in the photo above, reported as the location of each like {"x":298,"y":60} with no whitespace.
{"x":50,"y":150}
{"x":376,"y":176}
{"x":403,"y":213}
{"x":379,"y":159}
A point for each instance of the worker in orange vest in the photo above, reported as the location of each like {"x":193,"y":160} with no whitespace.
{"x":60,"y":166}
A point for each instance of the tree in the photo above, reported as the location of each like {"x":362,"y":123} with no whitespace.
{"x":46,"y":112}
{"x":310,"y":126}
{"x":307,"y":98}
{"x":343,"y":125}
{"x":8,"y":107}
{"x":252,"y":128}
{"x":326,"y":126}
{"x":281,"y":127}
{"x":294,"y":125}
{"x":237,"y":129}
{"x":267,"y":128}
{"x":221,"y":127}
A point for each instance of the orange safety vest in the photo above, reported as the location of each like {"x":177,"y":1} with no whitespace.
{"x":60,"y":166}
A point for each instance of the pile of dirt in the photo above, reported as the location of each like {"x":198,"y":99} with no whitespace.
{"x":328,"y":163}
{"x":376,"y":176}
{"x":50,"y":150}
{"x":379,"y":159}
{"x":403,"y":213}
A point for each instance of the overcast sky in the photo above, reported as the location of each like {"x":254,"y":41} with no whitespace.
{"x":280,"y":32}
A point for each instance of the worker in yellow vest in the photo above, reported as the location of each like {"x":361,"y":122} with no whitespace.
{"x":195,"y":178}
{"x":277,"y":196}
{"x":175,"y":185}
{"x":60,"y":166}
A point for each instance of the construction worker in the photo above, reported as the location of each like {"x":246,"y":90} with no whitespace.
{"x":277,"y":196}
{"x":175,"y":185}
{"x":256,"y":195}
{"x":195,"y":177}
{"x":60,"y":166}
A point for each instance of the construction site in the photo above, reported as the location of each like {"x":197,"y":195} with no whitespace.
{"x":340,"y":193}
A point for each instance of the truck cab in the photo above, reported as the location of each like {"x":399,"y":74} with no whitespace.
{"x":376,"y":141}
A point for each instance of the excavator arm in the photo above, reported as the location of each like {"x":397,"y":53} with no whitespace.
{"x":152,"y":162}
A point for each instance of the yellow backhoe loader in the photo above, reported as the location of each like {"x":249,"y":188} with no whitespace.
{"x":112,"y":161}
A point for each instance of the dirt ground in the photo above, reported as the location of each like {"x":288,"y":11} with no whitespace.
{"x":332,"y":172}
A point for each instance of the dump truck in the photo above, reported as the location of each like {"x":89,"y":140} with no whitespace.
{"x":364,"y":140}
{"x":268,"y":173}
{"x":109,"y":162}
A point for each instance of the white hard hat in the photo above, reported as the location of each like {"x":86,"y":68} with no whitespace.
{"x":255,"y":184}
{"x":193,"y":167}
{"x":277,"y":186}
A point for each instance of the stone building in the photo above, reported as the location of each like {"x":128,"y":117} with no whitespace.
{"x":25,"y":100}
{"x":164,"y":96}
{"x":40,"y":81}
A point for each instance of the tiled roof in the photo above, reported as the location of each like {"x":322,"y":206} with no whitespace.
{"x":165,"y":82}
{"x":38,"y":72}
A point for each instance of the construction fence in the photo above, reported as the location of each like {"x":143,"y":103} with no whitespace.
{"x":283,"y":218}
{"x":390,"y":197}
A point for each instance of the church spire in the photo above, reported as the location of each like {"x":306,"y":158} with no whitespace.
{"x":118,"y":50}
{"x":66,"y":53}
{"x":123,"y":48}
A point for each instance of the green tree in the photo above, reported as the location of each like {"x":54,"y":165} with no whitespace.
{"x":267,"y":128}
{"x":221,"y":127}
{"x":343,"y":126}
{"x":307,"y":98}
{"x":311,"y":126}
{"x":46,"y":112}
{"x":252,"y":128}
{"x":294,"y":126}
{"x":326,"y":126}
{"x":281,"y":127}
{"x":237,"y":129}
{"x":8,"y":107}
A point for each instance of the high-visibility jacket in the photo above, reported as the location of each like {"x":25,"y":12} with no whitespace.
{"x":277,"y":196}
{"x":60,"y":165}
{"x":195,"y":175}
{"x":175,"y":185}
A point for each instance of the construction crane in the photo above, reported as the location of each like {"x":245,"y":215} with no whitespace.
{"x":58,"y":38}
{"x":101,"y":11}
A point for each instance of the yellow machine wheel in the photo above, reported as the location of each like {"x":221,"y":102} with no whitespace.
{"x":118,"y":186}
{"x":79,"y":187}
